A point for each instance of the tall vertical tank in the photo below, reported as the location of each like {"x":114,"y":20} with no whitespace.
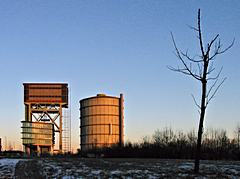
{"x":101,"y":121}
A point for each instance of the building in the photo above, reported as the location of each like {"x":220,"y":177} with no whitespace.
{"x":102,"y":122}
{"x":44,"y":103}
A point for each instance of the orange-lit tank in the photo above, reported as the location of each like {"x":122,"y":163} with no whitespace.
{"x":101,"y":122}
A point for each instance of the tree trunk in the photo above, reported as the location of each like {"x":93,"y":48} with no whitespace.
{"x":200,"y":128}
{"x":198,"y":69}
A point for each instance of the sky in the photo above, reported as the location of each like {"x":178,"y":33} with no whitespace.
{"x":115,"y":47}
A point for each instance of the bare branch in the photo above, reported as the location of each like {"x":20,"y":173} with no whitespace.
{"x":218,"y":50}
{"x":181,"y":70}
{"x":200,"y":70}
{"x":199,"y":112}
{"x":187,"y":70}
{"x":193,"y":28}
{"x":216,"y":90}
{"x":210,"y":69}
{"x":216,"y":77}
{"x":194,"y":99}
{"x":227,"y":48}
{"x":211,"y":88}
{"x":200,"y":33}
{"x":209,"y":45}
{"x":190,"y":59}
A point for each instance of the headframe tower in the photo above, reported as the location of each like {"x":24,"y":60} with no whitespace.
{"x":44,"y":103}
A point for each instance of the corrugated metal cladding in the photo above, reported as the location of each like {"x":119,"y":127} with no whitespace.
{"x":46,"y":92}
{"x":37,"y":133}
{"x":101,"y":121}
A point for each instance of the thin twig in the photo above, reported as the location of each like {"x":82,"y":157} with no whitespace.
{"x":194,"y":99}
{"x":216,"y":90}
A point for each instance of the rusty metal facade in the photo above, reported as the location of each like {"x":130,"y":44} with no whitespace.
{"x":44,"y":103}
{"x":46,"y":93}
{"x":102,"y":122}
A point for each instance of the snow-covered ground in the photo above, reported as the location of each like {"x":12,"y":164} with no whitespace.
{"x":137,"y":168}
{"x":69,"y":168}
{"x":7,"y":167}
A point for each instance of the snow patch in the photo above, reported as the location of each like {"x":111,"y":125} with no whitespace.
{"x":186,"y":166}
{"x":134,"y":171}
{"x":9,"y":162}
{"x":7,"y":167}
{"x":116,"y":172}
{"x":125,"y":164}
{"x":96,"y":172}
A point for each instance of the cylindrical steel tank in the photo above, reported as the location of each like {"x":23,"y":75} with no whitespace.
{"x":101,"y":122}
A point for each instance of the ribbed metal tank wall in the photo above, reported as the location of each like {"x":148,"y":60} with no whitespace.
{"x":101,"y":121}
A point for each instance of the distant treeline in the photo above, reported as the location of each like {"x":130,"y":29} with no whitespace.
{"x":170,"y":144}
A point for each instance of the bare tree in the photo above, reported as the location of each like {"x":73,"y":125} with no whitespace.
{"x":191,"y":137}
{"x":201,"y":68}
{"x":164,"y":137}
{"x":146,"y":141}
{"x":238,"y":136}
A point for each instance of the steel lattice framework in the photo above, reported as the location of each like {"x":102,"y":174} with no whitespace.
{"x":44,"y":103}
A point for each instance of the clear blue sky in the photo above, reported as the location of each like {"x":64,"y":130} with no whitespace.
{"x":116,"y":47}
